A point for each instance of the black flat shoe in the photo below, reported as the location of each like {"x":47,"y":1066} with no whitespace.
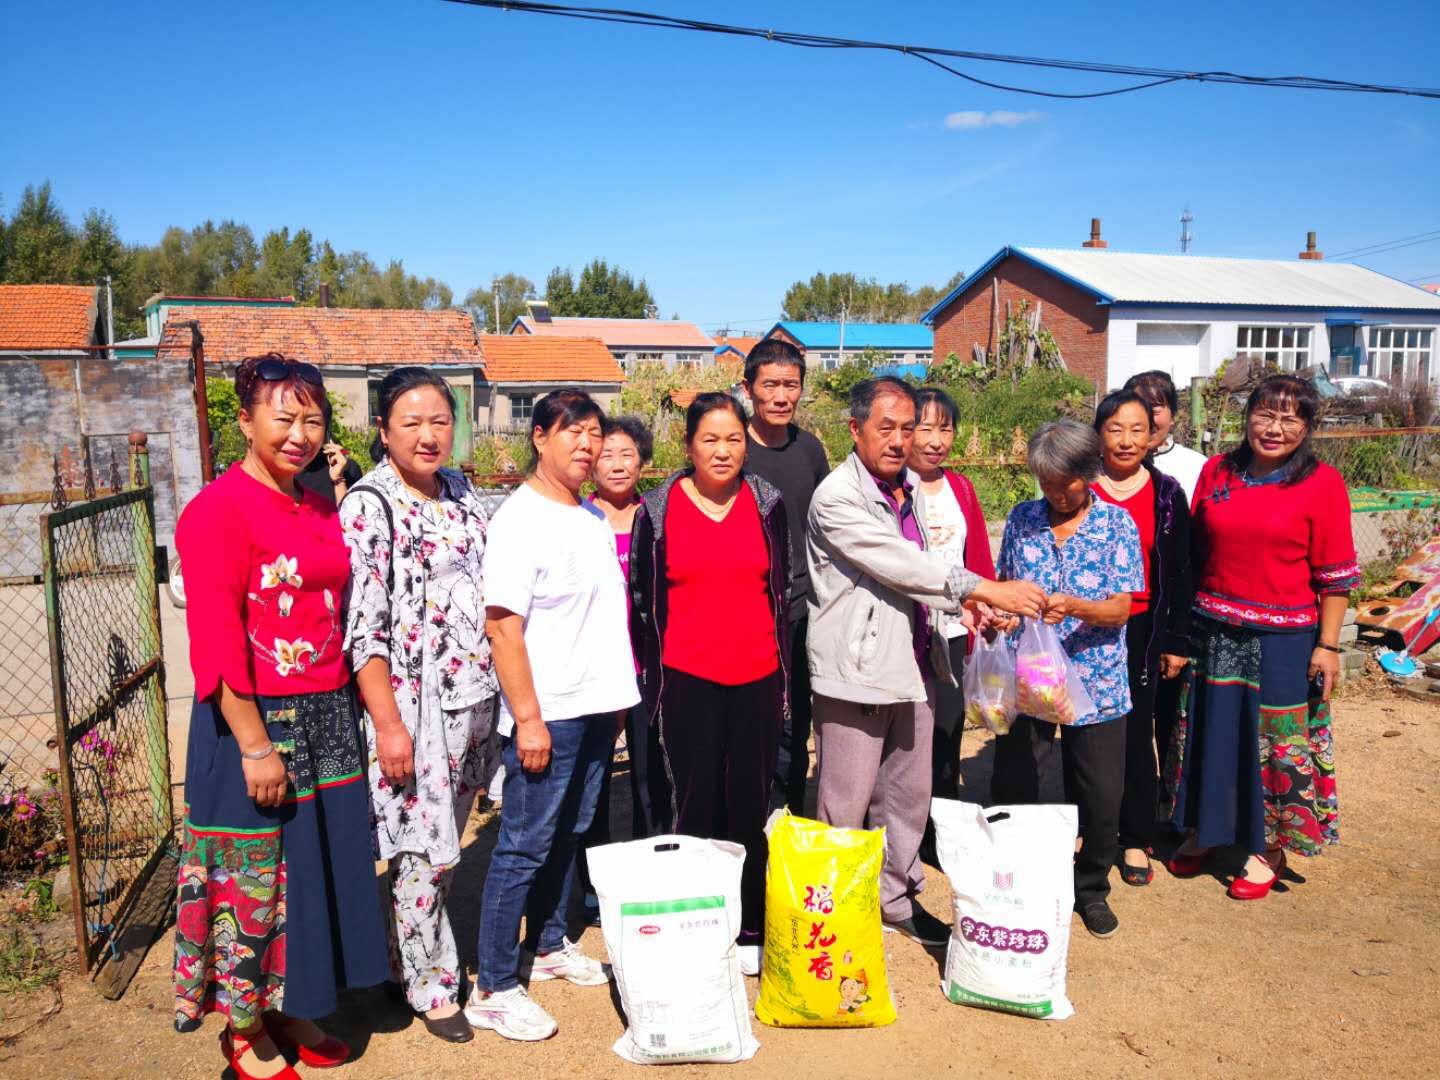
{"x":454,"y":1028}
{"x":1136,"y":875}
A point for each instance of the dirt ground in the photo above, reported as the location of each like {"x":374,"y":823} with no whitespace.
{"x":1333,"y":975}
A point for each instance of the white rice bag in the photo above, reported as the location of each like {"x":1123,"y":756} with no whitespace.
{"x":670,"y":913}
{"x":1011,"y":869}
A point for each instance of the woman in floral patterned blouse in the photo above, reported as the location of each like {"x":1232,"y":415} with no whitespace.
{"x":415,"y":633}
{"x":270,"y":922}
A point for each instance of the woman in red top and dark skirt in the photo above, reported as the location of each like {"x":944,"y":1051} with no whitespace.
{"x":709,"y":569}
{"x":277,"y":812}
{"x":1157,"y":636}
{"x":1251,"y":761}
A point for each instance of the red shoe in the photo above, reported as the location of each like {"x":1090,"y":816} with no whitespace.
{"x":234,"y":1047}
{"x":1187,"y":865}
{"x":1242,"y":888}
{"x":326,"y":1054}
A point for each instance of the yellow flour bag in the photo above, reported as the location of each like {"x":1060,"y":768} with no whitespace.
{"x":824,"y":960}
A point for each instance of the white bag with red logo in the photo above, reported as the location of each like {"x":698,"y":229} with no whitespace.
{"x":670,"y":913}
{"x":1012,"y":870}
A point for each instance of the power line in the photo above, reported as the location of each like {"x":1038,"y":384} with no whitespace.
{"x":929,"y":54}
{"x":1390,"y":245}
{"x":1423,"y":277}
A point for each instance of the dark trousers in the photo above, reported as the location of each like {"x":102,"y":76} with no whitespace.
{"x":945,"y":749}
{"x":1092,"y":758}
{"x":792,"y":762}
{"x":1139,"y":804}
{"x":719,"y":744}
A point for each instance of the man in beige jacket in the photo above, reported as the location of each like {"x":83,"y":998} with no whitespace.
{"x":876,"y":591}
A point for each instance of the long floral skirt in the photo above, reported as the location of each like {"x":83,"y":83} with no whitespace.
{"x":1252,"y":761}
{"x":278,"y":907}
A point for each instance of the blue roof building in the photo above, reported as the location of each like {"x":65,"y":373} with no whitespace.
{"x":909,"y":347}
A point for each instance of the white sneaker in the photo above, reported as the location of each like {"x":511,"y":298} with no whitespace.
{"x":566,"y":962}
{"x":749,"y":959}
{"x":512,"y":1013}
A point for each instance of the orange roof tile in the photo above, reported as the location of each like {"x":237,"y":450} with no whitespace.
{"x":48,"y":316}
{"x":681,"y":399}
{"x":327,"y":336}
{"x":510,"y":358}
{"x":624,"y":333}
{"x":742,"y":345}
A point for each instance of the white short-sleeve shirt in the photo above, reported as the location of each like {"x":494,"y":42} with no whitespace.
{"x":555,"y":566}
{"x":945,"y":522}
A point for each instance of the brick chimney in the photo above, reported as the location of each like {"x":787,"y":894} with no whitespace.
{"x":324,"y":300}
{"x":1310,"y":252}
{"x":1095,"y":241}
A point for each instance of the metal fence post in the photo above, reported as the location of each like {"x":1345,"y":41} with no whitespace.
{"x":147,"y":606}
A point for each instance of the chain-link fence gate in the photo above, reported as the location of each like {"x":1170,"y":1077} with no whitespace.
{"x":107,"y":671}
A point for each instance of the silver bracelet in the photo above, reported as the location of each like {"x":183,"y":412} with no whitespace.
{"x":258,"y":755}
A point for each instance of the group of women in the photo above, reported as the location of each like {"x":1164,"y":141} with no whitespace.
{"x":354,"y":666}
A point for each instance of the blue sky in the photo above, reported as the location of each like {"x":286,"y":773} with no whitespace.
{"x":470,"y":142}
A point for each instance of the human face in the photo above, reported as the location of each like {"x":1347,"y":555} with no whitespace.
{"x":883,"y":442}
{"x":1066,"y":497}
{"x":284,"y":431}
{"x":420,"y":432}
{"x":775,"y":391}
{"x":718,"y":449}
{"x":617,"y":469}
{"x":1275,"y":431}
{"x":568,"y":451}
{"x":1164,"y":422}
{"x":1125,"y":439}
{"x":934,"y":436}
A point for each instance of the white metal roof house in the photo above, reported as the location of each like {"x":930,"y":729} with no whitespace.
{"x":630,"y":341}
{"x":1118,"y":313}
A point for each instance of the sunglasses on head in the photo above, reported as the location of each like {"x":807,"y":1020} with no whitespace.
{"x":278,"y":370}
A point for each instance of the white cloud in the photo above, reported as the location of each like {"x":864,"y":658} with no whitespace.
{"x":969,"y":121}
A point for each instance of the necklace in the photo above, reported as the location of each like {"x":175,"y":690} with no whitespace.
{"x":716,"y":511}
{"x":1127,"y":488}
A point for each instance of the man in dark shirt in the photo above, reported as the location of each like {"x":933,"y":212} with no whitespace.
{"x":794,"y":461}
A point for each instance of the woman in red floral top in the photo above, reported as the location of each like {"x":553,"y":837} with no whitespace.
{"x":1252,"y":762}
{"x":276,"y":814}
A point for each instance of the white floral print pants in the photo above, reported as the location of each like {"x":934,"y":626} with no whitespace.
{"x":422,"y":946}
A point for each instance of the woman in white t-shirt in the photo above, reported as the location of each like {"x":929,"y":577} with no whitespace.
{"x":1157,"y":390}
{"x":555,"y":616}
{"x":955,"y":528}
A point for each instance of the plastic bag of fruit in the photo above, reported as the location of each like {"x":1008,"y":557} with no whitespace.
{"x":990,"y":684}
{"x":1047,"y":684}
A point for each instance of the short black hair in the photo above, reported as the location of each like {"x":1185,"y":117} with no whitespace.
{"x":709,"y":402}
{"x":773,"y":351}
{"x":636,"y":429}
{"x":1154,"y":388}
{"x":933,"y":395}
{"x":864,"y":393}
{"x":561,"y":408}
{"x":1114,"y":401}
{"x":393,"y":386}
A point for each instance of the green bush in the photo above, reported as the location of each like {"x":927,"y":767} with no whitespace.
{"x":222,"y":409}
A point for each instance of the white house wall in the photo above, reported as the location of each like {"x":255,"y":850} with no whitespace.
{"x":1218,"y":341}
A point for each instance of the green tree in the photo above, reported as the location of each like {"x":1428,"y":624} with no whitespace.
{"x":514,"y":290}
{"x":40,"y":244}
{"x":825,"y":296}
{"x":287,"y":264}
{"x":602,"y":292}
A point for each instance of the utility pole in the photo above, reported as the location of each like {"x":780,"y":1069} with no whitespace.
{"x":109,"y":316}
{"x":844,"y":310}
{"x":495,"y":295}
{"x":1185,"y":235}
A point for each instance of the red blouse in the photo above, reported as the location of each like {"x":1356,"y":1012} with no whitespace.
{"x":718,"y":622}
{"x":264,"y":581}
{"x":1141,"y":508}
{"x":1265,"y":550}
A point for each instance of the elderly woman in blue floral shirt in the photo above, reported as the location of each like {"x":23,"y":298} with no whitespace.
{"x":1086,"y":555}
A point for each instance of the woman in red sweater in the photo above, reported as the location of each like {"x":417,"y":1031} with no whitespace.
{"x":709,"y":570}
{"x":277,"y":814}
{"x":1251,"y":762}
{"x":956,"y":529}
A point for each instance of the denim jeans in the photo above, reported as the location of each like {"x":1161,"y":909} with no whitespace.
{"x":541,"y":821}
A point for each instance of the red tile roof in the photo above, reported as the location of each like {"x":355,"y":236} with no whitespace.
{"x":743,"y":345}
{"x":644,"y":334}
{"x":48,"y":316}
{"x":512,"y":358}
{"x":681,"y":399}
{"x":350,"y":337}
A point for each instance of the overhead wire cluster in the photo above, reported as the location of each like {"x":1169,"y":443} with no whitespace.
{"x":1387,"y":246}
{"x":937,"y":57}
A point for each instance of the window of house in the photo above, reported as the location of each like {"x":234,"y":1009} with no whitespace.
{"x":620,"y":358}
{"x":1401,"y":353}
{"x":640,"y":356}
{"x":687,"y":359}
{"x":924,"y":356}
{"x":829,"y":360}
{"x":522,"y":408}
{"x":1287,"y":346}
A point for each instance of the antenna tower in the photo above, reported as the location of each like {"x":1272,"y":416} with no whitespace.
{"x":1186,"y":236}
